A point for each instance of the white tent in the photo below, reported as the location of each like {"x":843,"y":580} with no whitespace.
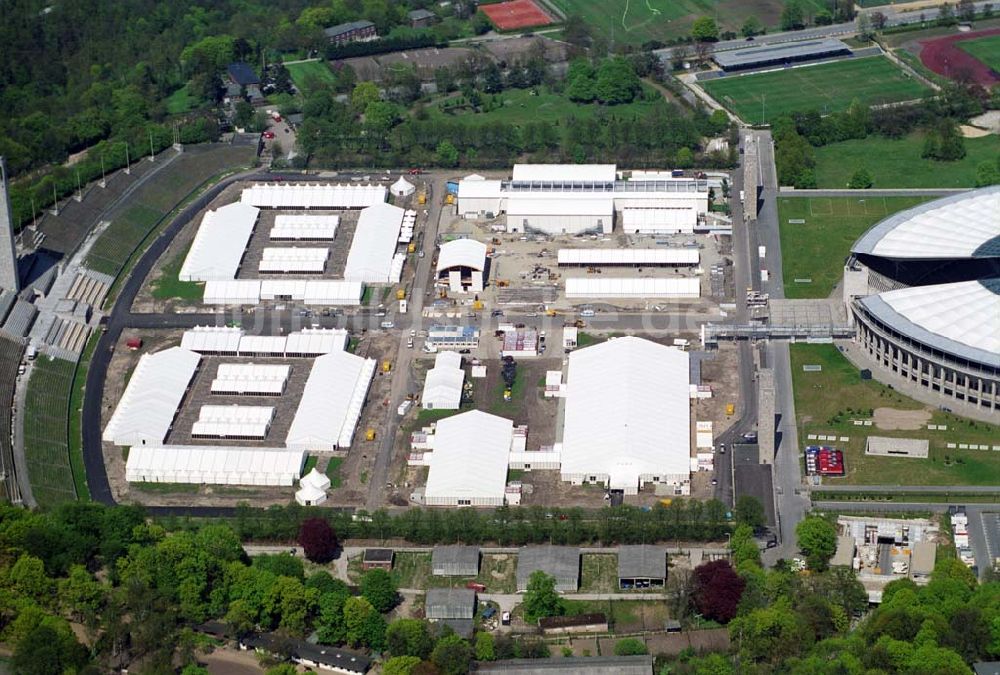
{"x":468,"y":466}
{"x":222,"y":340}
{"x":233,"y":421}
{"x":634,"y":287}
{"x":331,"y":402}
{"x":312,"y":488}
{"x":443,"y":386}
{"x":304,"y":227}
{"x":219,"y":245}
{"x":293,"y":260}
{"x":402,"y":188}
{"x":371,"y":256}
{"x":213,"y":465}
{"x":147,"y":408}
{"x":252,"y":379}
{"x":312,"y":196}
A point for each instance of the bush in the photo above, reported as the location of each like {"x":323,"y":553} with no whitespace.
{"x":318,"y":540}
{"x":630,"y":647}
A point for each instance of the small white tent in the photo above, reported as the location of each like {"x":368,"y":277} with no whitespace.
{"x":402,"y":188}
{"x":312,"y":488}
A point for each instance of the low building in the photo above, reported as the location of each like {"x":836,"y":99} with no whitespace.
{"x":322,"y":657}
{"x":783,"y":54}
{"x":421,"y":18}
{"x":444,"y":382}
{"x":461,"y":266}
{"x":453,"y":337}
{"x":585,"y":665}
{"x":353,"y":31}
{"x":568,"y":625}
{"x":377,"y":558}
{"x":455,"y":561}
{"x":240,"y":78}
{"x":450,"y":603}
{"x":468,"y":466}
{"x":642,"y":566}
{"x":561,"y":562}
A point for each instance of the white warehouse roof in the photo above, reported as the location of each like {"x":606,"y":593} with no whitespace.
{"x":212,"y":339}
{"x":559,"y":204}
{"x":636,"y":287}
{"x":219,"y":245}
{"x":374,"y":245}
{"x":965,"y":225}
{"x":462,"y":253}
{"x":311,"y":292}
{"x":233,"y":421}
{"x":293,"y":259}
{"x":147,"y":408}
{"x":469,"y":461}
{"x":478,"y":188}
{"x":250,"y":378}
{"x":312,"y":196}
{"x":331,"y":402}
{"x":308,"y":227}
{"x":565,"y":172}
{"x":627,"y":412}
{"x":443,"y":386}
{"x":628,"y":256}
{"x":213,"y":465}
{"x":226,"y":340}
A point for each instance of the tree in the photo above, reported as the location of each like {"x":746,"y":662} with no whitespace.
{"x":400,"y":665}
{"x":752,"y":26}
{"x":541,"y":599}
{"x":817,"y":539}
{"x":630,"y":647}
{"x":318,"y":540}
{"x":704,"y":29}
{"x":447,"y":154}
{"x":987,"y":173}
{"x":792,"y":16}
{"x":879,"y":20}
{"x":616,"y":82}
{"x":717,"y":590}
{"x":44,"y":651}
{"x":946,"y":15}
{"x":280,"y":669}
{"x":772,"y":634}
{"x":452,"y":655}
{"x":364,"y":625}
{"x":860,"y":180}
{"x":749,"y":511}
{"x":865,"y":31}
{"x":684,"y":159}
{"x":944,"y":142}
{"x":580,"y":82}
{"x":743,"y":547}
{"x":364,"y":94}
{"x":410,"y":637}
{"x":679,"y":56}
{"x":485,"y":647}
{"x":966,"y":11}
{"x":823,"y":18}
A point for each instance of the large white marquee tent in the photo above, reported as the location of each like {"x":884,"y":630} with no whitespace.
{"x":312,"y":196}
{"x":304,"y":227}
{"x":214,"y":465}
{"x":443,"y":386}
{"x":250,"y":379}
{"x":309,"y":291}
{"x":219,"y":244}
{"x":331,"y":402}
{"x":370,"y":259}
{"x":468,"y":466}
{"x":231,"y":341}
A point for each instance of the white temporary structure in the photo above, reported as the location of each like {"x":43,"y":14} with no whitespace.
{"x":659,"y":220}
{"x":468,"y":466}
{"x":565,"y":173}
{"x":219,"y":245}
{"x":147,"y":408}
{"x":233,"y":421}
{"x":262,"y":345}
{"x":479,"y":197}
{"x":304,"y":227}
{"x":461,"y":262}
{"x":633,"y":287}
{"x":311,"y":292}
{"x":332,"y":292}
{"x":215,"y":465}
{"x":627,"y":418}
{"x":228,"y":341}
{"x":232,"y":292}
{"x":217,"y":340}
{"x":312,"y":196}
{"x":371,"y":256}
{"x":312,"y":488}
{"x":316,"y":341}
{"x":402,"y":188}
{"x":255,"y":379}
{"x":634,"y":257}
{"x":294,"y":260}
{"x":443,"y":386}
{"x":560,"y":212}
{"x":331,"y":402}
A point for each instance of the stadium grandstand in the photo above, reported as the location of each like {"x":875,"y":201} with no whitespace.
{"x":783,"y":54}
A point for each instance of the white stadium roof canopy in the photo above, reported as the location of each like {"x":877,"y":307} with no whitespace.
{"x":371,"y":256}
{"x":636,"y":287}
{"x":312,"y":196}
{"x":965,"y":225}
{"x":331,"y":402}
{"x":628,"y":256}
{"x":305,"y":227}
{"x":214,"y":465}
{"x":598,"y":173}
{"x":469,"y":461}
{"x":219,"y":245}
{"x":462,"y":253}
{"x":147,"y":408}
{"x":627,"y":412}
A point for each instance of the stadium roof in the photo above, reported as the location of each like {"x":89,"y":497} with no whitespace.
{"x":462,"y":253}
{"x":561,"y":562}
{"x":564,"y":172}
{"x":469,"y":460}
{"x":219,"y":245}
{"x":331,"y":402}
{"x":750,"y":56}
{"x":312,"y":195}
{"x":965,"y":225}
{"x":147,"y":408}
{"x":374,"y":244}
{"x":213,"y":464}
{"x":628,"y":256}
{"x":634,"y":287}
{"x":627,"y":411}
{"x":962,"y":318}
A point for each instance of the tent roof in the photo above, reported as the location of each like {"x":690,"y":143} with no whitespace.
{"x":218,"y":246}
{"x":331,"y":401}
{"x":470,"y":456}
{"x":374,"y":244}
{"x":462,"y":253}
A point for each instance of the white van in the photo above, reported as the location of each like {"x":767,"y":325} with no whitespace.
{"x":387,"y":324}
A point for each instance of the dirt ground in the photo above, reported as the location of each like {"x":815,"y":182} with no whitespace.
{"x":229,"y":661}
{"x":891,"y":419}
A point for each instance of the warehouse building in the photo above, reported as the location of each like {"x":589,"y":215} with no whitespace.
{"x":146,"y":410}
{"x":461,"y":265}
{"x":628,"y":419}
{"x":219,"y":245}
{"x":312,"y":196}
{"x":213,"y":465}
{"x":455,"y":561}
{"x":642,"y":566}
{"x":372,"y":258}
{"x":443,"y":386}
{"x":683,"y":288}
{"x":331,"y":402}
{"x":783,"y":54}
{"x":468,"y":466}
{"x":560,"y":562}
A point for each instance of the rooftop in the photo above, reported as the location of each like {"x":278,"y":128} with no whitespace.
{"x":586,"y":665}
{"x":561,"y":562}
{"x":642,"y":562}
{"x":242,"y":74}
{"x":342,"y":28}
{"x":768,"y":53}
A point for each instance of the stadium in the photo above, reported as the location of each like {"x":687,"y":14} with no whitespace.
{"x":923,"y":288}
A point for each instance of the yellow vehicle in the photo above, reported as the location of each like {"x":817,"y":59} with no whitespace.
{"x":450,"y":199}
{"x":421,"y":198}
{"x":370,"y":435}
{"x":386,"y":366}
{"x":550,"y":312}
{"x":730,"y":409}
{"x":666,"y":502}
{"x":400,"y":294}
{"x":477,"y":304}
{"x":411,"y":248}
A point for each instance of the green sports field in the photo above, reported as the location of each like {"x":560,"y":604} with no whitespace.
{"x":827,"y":87}
{"x":985,"y":49}
{"x":310,"y":71}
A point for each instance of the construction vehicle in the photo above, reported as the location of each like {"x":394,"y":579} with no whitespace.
{"x":421,"y":198}
{"x":502,"y":283}
{"x":667,"y":502}
{"x":400,"y":294}
{"x":477,"y":304}
{"x":411,"y":247}
{"x":551,"y":312}
{"x":386,"y":366}
{"x":369,"y":434}
{"x":449,"y":199}
{"x":730,"y":409}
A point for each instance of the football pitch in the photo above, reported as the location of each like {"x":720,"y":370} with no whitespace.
{"x":985,"y":49}
{"x":828,"y":87}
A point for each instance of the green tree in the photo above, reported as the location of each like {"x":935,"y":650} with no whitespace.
{"x":704,"y":29}
{"x":685,"y":158}
{"x":769,"y":635}
{"x":630,"y":647}
{"x":817,"y":539}
{"x":616,"y":82}
{"x":749,"y":511}
{"x":744,"y":547}
{"x":400,"y":665}
{"x":580,"y":82}
{"x":792,"y":15}
{"x":752,"y":26}
{"x":80,"y":594}
{"x":410,"y":637}
{"x":364,"y":94}
{"x":452,"y":655}
{"x":987,"y":173}
{"x":485,"y":647}
{"x":447,"y":153}
{"x":364,"y":625}
{"x":44,"y":651}
{"x":541,"y":599}
{"x":860,"y":180}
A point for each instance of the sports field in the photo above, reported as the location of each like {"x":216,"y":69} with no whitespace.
{"x":516,"y":14}
{"x":986,"y":49}
{"x":827,"y":87}
{"x":819,"y":237}
{"x":307,"y":72}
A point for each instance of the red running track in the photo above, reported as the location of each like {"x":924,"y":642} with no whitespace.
{"x":944,"y":57}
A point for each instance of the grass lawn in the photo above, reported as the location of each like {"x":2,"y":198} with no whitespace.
{"x":309,"y":73}
{"x":46,"y":445}
{"x":168,"y":286}
{"x":816,"y":249}
{"x":986,"y":49}
{"x":598,"y":573}
{"x":310,"y":464}
{"x":498,"y":406}
{"x":182,"y":101}
{"x":333,"y":471}
{"x":624,"y":616}
{"x":822,"y":400}
{"x":827,"y":87}
{"x":898,"y":164}
{"x":587,"y":339}
{"x":412,"y":570}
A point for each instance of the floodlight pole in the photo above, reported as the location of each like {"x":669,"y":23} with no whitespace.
{"x":128,"y":169}
{"x":104,"y":181}
{"x":763,"y":116}
{"x":151,"y":157}
{"x":79,"y":192}
{"x":55,"y":201}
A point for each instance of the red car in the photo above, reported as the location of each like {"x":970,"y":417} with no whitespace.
{"x":479,"y":588}
{"x":268,"y":135}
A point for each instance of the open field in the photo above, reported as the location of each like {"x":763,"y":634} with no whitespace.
{"x":46,"y":444}
{"x":986,"y":49}
{"x":310,"y":72}
{"x":824,"y":402}
{"x":898,"y":164}
{"x":817,"y":248}
{"x":182,"y":101}
{"x":168,"y":286}
{"x":624,"y":616}
{"x":598,"y":573}
{"x":827,"y":87}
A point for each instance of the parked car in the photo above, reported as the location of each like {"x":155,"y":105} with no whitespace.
{"x":268,"y":135}
{"x":505,"y":618}
{"x":476,"y":586}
